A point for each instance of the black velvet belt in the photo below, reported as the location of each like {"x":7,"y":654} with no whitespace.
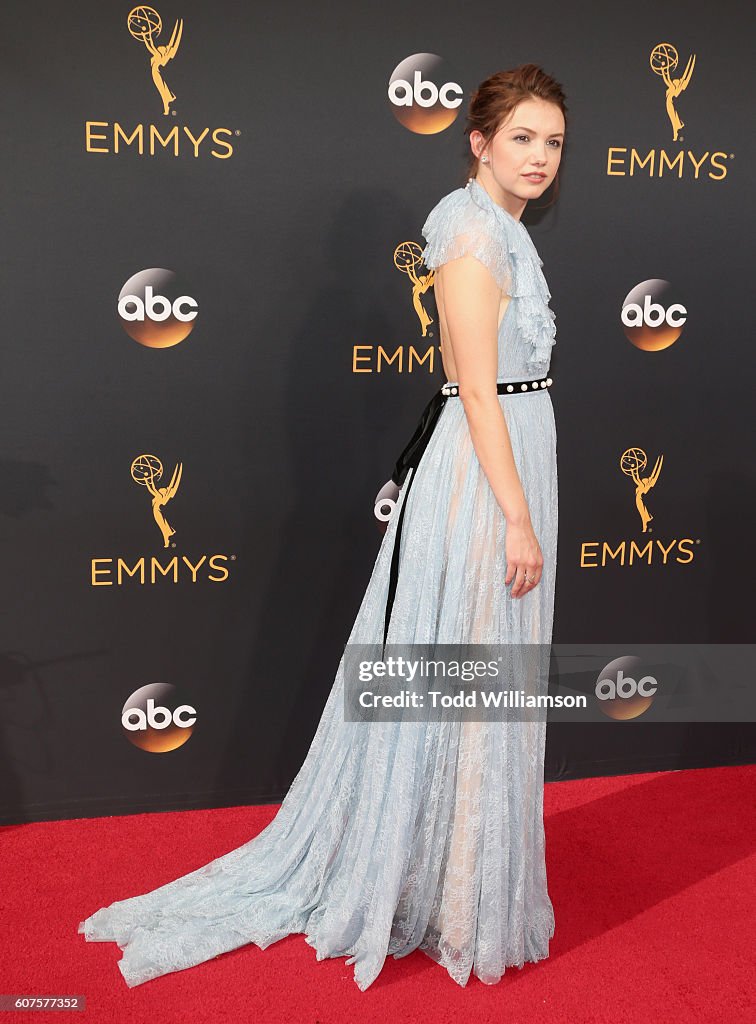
{"x":413,"y":452}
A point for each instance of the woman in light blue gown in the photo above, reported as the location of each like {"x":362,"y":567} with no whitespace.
{"x":397,"y":836}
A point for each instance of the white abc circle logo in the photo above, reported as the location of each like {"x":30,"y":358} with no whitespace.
{"x":624,"y":689}
{"x":423,"y":94}
{"x":155,"y":309}
{"x":651,"y":316}
{"x":153,"y":720}
{"x":385,"y":501}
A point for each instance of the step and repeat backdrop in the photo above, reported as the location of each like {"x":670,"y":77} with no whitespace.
{"x":219,"y":335}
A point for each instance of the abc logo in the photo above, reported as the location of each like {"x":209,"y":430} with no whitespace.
{"x":423,"y":95}
{"x":154,"y":309}
{"x":154,"y":721}
{"x":652,"y":317}
{"x":385,"y":502}
{"x":623,"y":690}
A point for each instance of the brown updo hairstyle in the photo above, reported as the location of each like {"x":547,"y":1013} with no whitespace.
{"x":496,"y":97}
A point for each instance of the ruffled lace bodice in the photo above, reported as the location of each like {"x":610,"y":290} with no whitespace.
{"x":467,"y":222}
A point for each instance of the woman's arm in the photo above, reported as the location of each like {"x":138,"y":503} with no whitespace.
{"x":471,"y":305}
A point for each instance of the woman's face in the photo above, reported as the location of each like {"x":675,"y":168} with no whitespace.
{"x":524,"y":154}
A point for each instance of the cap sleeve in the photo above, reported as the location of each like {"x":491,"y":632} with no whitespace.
{"x":457,"y":227}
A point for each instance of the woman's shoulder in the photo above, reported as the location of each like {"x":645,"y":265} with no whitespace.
{"x":460,"y":224}
{"x":456,"y":211}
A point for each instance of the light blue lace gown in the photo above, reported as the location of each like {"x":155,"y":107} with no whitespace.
{"x":401,"y":836}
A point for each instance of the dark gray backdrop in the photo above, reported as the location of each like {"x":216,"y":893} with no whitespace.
{"x":287,"y":247}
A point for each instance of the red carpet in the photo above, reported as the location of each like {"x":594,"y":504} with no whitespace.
{"x":651,"y":876}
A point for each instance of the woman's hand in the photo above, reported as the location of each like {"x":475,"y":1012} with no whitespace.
{"x":524,"y":558}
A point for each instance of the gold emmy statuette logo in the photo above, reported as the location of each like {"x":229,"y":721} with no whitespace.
{"x":146,"y":470}
{"x":633,"y":161}
{"x":144,"y":24}
{"x":407,"y":258}
{"x":632,"y":463}
{"x":664,"y":59}
{"x":643,"y":549}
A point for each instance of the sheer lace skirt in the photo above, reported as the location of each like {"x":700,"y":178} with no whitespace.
{"x":398,"y":836}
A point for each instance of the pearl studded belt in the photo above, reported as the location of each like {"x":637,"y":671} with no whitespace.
{"x":504,"y":387}
{"x":413,"y":451}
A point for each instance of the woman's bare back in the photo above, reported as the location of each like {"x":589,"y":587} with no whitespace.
{"x":447,"y":356}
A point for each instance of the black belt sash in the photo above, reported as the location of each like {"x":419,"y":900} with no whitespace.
{"x":413,"y":452}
